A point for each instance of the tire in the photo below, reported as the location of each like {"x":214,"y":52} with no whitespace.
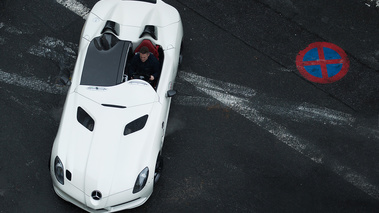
{"x":181,"y":55}
{"x":158,"y":168}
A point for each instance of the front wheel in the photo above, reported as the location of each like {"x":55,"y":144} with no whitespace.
{"x":158,"y":168}
{"x":181,"y":54}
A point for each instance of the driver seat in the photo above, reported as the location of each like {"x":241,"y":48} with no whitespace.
{"x":152,"y":48}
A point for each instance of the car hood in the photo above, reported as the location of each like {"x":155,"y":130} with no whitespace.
{"x":129,"y":94}
{"x":105,"y":159}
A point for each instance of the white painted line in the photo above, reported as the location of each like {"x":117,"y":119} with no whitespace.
{"x":47,"y":44}
{"x":223,"y":87}
{"x":369,"y":132}
{"x":41,"y":51}
{"x":33,"y":109}
{"x":63,"y":53}
{"x":2,"y":41}
{"x":195,"y":101}
{"x":31,"y":83}
{"x":370,"y":3}
{"x":242,"y":106}
{"x":309,"y":112}
{"x":75,"y":7}
{"x":333,"y":116}
{"x":52,"y":43}
{"x":12,"y":30}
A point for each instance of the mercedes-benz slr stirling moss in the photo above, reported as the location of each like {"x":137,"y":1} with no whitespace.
{"x":106,"y":156}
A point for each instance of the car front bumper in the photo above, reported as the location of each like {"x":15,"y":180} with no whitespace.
{"x":113,"y":200}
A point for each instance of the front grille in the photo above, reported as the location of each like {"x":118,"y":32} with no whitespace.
{"x":125,"y":202}
{"x":68,"y":175}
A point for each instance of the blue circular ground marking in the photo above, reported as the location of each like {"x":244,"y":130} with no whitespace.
{"x":322,"y":62}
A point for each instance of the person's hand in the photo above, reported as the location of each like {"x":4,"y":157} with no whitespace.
{"x":151,"y":78}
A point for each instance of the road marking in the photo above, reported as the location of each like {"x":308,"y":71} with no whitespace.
{"x":8,"y":29}
{"x":47,"y":44}
{"x":2,"y":40}
{"x":370,"y":3}
{"x":195,"y":101}
{"x":13,"y":30}
{"x":368,"y":132}
{"x":63,"y":53}
{"x":310,"y":112}
{"x":76,"y":7}
{"x":335,"y":117}
{"x":26,"y":106}
{"x":241,"y":105}
{"x":322,"y":62}
{"x":54,"y":49}
{"x":31,"y":83}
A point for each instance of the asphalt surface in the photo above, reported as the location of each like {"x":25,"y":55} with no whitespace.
{"x":246,"y":133}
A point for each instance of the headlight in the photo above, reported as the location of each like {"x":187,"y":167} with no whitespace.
{"x":141,"y":180}
{"x":59,"y":170}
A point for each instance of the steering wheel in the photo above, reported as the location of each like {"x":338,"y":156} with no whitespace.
{"x":142,"y":77}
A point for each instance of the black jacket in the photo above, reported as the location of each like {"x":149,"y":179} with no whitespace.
{"x":149,"y":67}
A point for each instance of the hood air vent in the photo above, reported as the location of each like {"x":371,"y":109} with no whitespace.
{"x":85,"y":119}
{"x":135,"y":125}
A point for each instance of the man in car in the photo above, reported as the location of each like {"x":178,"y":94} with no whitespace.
{"x":144,"y":64}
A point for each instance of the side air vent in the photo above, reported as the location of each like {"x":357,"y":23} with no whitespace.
{"x":135,"y":125}
{"x":85,"y":119}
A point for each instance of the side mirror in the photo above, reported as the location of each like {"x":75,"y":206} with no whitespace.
{"x":171,"y":93}
{"x":65,"y":80}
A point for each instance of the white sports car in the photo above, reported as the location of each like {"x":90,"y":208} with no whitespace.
{"x":106,"y":156}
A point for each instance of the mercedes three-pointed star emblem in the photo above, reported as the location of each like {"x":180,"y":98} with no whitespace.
{"x":96,"y":195}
